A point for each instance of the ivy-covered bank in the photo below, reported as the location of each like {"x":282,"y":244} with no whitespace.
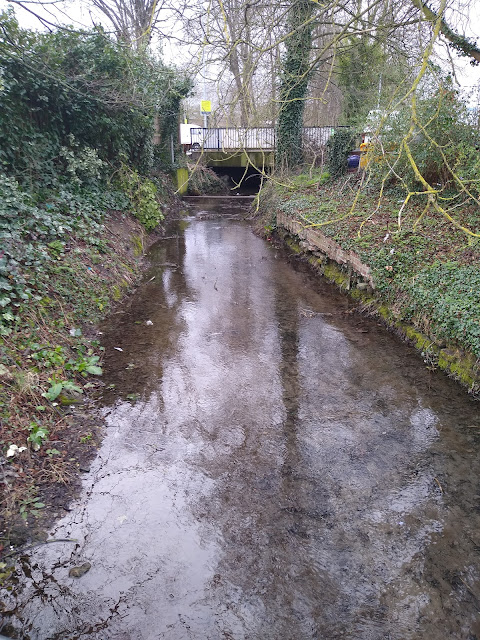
{"x":425,"y":274}
{"x":83,"y":180}
{"x":77,"y":257}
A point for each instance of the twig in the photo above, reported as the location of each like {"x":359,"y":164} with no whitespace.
{"x":38,"y":544}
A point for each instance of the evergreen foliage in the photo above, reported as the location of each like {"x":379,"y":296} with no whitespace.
{"x":34,"y":234}
{"x":339,"y":146}
{"x":77,"y":117}
{"x":359,"y":70}
{"x":64,"y":86}
{"x":369,"y":75}
{"x":441,"y":136}
{"x":425,"y":272}
{"x":295,"y":78}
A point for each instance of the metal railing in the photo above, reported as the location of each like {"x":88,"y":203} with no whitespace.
{"x":251,"y":139}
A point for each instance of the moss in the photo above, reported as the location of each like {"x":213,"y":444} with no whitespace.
{"x":127,"y":267}
{"x":182,"y":180}
{"x":355,"y":294}
{"x":335,"y":274}
{"x":420,"y":340}
{"x":316,"y":264}
{"x":116,"y":293}
{"x":459,"y":365}
{"x":137,"y":245}
{"x":384,"y":312}
{"x":294,"y":246}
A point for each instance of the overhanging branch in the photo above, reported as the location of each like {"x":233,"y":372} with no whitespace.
{"x":461,"y":43}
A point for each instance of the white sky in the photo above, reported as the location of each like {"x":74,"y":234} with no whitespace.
{"x":72,"y":13}
{"x":75,"y":13}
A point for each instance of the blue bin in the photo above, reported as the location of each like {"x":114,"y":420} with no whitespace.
{"x":353,"y":161}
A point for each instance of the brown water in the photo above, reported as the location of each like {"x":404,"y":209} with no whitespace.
{"x":274,"y":467}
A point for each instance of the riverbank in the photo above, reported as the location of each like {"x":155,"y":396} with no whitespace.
{"x":417,"y":271}
{"x":51,"y":358}
{"x":252,"y":414}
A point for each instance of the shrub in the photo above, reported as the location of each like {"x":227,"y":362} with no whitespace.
{"x":443,"y":142}
{"x":70,"y":100}
{"x":339,"y":146}
{"x":142,"y":193}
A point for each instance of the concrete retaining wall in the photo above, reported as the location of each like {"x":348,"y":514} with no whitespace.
{"x":182,"y":181}
{"x":457,"y":363}
{"x":332,"y":250}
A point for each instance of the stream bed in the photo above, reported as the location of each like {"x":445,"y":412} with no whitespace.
{"x":275,"y":467}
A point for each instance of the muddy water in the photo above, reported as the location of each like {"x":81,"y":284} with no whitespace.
{"x":275,"y":467}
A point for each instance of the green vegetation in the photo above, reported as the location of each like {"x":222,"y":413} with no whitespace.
{"x":76,"y":151}
{"x":76,"y":139}
{"x":427,"y":273}
{"x":371,"y":71}
{"x":413,"y":215}
{"x":36,"y":243}
{"x":448,"y":293}
{"x":360,"y":65}
{"x":49,"y":357}
{"x":294,"y":81}
{"x":143,"y":195}
{"x":77,"y":104}
{"x":433,"y":149}
{"x":339,"y":146}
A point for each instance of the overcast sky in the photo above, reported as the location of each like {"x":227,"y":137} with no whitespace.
{"x":75,"y":13}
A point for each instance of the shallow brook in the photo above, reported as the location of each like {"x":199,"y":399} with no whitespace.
{"x":275,"y":467}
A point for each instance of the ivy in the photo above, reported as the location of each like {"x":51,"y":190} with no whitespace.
{"x":77,"y":108}
{"x":142,"y":193}
{"x":65,"y":94}
{"x":448,"y":294}
{"x":428,"y":278}
{"x":339,"y":145}
{"x":294,"y":84}
{"x":34,"y":235}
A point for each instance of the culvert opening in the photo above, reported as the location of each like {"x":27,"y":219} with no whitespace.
{"x":240,"y":181}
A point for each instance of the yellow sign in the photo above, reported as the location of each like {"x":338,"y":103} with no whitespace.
{"x":206,"y":106}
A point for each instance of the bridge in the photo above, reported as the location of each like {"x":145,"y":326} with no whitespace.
{"x":241,"y":147}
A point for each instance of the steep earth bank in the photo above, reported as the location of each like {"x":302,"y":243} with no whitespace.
{"x":50,"y":369}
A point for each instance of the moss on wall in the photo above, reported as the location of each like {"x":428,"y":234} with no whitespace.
{"x":459,"y":365}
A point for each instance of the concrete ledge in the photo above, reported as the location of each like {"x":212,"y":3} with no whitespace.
{"x":327,"y":246}
{"x":236,"y":158}
{"x":328,"y":259}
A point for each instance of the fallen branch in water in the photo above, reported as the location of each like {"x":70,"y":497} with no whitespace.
{"x":38,"y":544}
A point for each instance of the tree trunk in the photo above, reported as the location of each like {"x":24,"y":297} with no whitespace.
{"x":296,"y":74}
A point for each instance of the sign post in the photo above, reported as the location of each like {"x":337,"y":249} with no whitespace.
{"x":206,"y":110}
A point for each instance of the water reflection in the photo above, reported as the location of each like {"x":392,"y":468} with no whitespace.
{"x":139,"y":336}
{"x":274,"y":467}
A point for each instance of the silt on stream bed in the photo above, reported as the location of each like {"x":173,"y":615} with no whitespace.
{"x":274,"y":467}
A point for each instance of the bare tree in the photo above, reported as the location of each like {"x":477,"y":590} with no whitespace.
{"x":133,"y":21}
